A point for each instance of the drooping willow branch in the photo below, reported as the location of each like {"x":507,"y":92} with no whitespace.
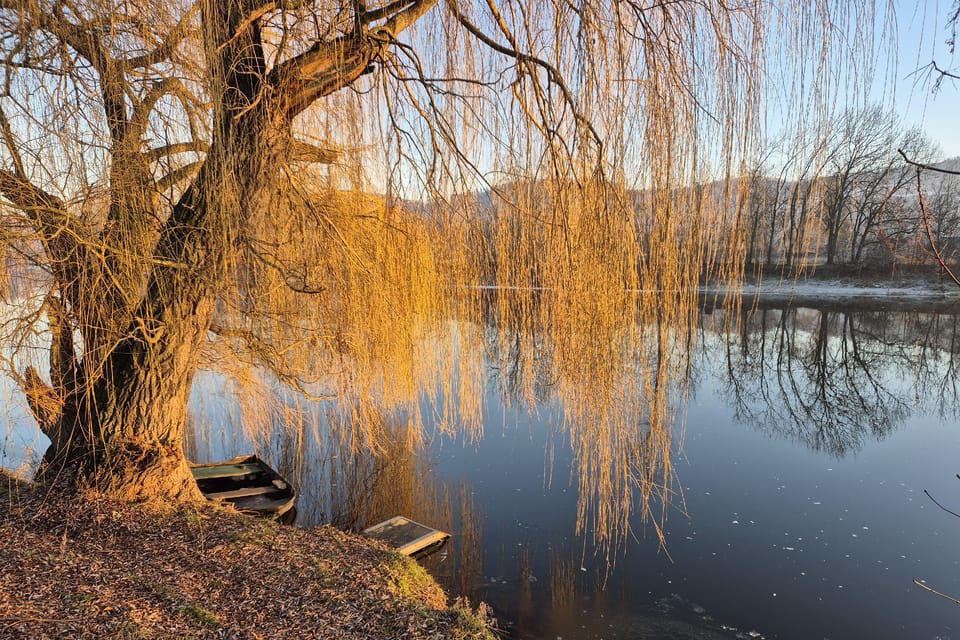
{"x":556,"y":78}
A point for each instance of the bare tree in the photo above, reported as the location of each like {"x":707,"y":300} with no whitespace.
{"x":861,"y":148}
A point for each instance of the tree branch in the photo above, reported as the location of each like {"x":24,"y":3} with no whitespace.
{"x":401,"y":20}
{"x":305,"y":152}
{"x":85,"y":40}
{"x":12,"y":147}
{"x":168,"y":44}
{"x":925,"y":167}
{"x":167,"y":86}
{"x":553,"y":74}
{"x":43,"y":400}
{"x":934,"y":500}
{"x":157,"y":153}
{"x":266,"y":355}
{"x":368,"y":17}
{"x":332,"y":65}
{"x":320,"y":71}
{"x":935,"y":592}
{"x":178,"y":175}
{"x":926,"y":225}
{"x":62,"y":234}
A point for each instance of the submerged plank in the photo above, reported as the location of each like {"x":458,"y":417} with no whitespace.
{"x":405,"y":535}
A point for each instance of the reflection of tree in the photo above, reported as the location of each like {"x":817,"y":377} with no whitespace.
{"x":832,"y":379}
{"x":369,"y":486}
{"x":516,"y":347}
{"x":925,"y":348}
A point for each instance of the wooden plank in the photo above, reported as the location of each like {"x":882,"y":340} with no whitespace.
{"x":243,"y":493}
{"x":224,"y":471}
{"x":405,"y":535}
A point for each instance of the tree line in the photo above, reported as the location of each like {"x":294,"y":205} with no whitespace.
{"x":851,"y":200}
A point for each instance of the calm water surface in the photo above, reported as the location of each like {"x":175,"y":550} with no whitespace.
{"x":810,"y":437}
{"x":808,"y":440}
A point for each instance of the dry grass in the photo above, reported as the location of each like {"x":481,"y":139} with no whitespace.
{"x":85,"y":567}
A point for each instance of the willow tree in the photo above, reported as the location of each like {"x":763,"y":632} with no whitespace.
{"x":159,"y":169}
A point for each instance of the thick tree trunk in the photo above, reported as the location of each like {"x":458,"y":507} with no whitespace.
{"x":121,"y":424}
{"x":123,"y":434}
{"x":145,"y":462}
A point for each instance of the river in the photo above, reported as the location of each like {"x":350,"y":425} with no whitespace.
{"x":808,"y":449}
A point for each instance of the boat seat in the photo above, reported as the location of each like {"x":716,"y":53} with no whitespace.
{"x":225,"y":471}
{"x":245,"y":492}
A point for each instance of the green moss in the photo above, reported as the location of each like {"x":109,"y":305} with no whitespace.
{"x":408,"y":579}
{"x":469,"y":624}
{"x":201,"y":615}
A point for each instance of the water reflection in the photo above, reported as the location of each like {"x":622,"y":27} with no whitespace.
{"x":830,"y":380}
{"x":615,"y":370}
{"x":817,"y":534}
{"x":836,"y":382}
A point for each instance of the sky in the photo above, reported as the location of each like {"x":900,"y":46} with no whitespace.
{"x":921,"y":38}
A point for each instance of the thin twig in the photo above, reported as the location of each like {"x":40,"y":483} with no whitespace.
{"x":927,"y":167}
{"x":926,"y":225}
{"x":953,"y":513}
{"x":935,"y":592}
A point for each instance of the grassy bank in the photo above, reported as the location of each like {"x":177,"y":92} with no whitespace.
{"x":86,"y":567}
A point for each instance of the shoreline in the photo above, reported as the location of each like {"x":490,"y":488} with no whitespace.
{"x":83,"y":566}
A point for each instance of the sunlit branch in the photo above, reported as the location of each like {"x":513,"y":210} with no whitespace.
{"x":178,"y":175}
{"x":935,"y":592}
{"x":167,"y":86}
{"x":331,"y":65}
{"x":44,"y":401}
{"x":266,"y":354}
{"x":412,"y":12}
{"x":12,"y":147}
{"x":84,"y":39}
{"x":368,"y":16}
{"x":305,"y":152}
{"x":323,"y":69}
{"x":158,"y":153}
{"x":295,"y":282}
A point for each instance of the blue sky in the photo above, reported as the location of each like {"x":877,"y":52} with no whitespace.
{"x":921,"y":38}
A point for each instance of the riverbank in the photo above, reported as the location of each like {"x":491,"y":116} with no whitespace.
{"x":87,"y":567}
{"x":842,"y":290}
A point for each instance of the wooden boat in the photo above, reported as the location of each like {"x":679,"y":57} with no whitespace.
{"x":248,"y":483}
{"x":408,"y":537}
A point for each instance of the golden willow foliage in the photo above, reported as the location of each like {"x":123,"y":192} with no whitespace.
{"x":583,"y":158}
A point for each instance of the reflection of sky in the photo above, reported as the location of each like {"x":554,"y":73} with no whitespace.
{"x":780,"y":538}
{"x":21,"y":443}
{"x":811,"y":546}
